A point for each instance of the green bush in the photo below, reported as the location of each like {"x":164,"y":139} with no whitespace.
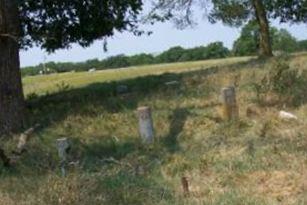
{"x":286,"y":82}
{"x":302,"y":45}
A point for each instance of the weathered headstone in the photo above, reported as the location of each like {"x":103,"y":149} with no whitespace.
{"x":63,"y":146}
{"x":185,"y":186}
{"x":146,"y":125}
{"x":229,"y":103}
{"x":122,"y":89}
{"x":173,"y":83}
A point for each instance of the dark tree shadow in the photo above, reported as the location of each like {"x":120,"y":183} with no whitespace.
{"x":91,"y":155}
{"x":50,"y":108}
{"x":176,"y":126}
{"x":96,"y":98}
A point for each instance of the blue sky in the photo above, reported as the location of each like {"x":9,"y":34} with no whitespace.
{"x":164,"y":36}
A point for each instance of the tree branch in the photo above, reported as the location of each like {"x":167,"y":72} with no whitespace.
{"x":10,"y":36}
{"x":21,"y":147}
{"x":23,"y":139}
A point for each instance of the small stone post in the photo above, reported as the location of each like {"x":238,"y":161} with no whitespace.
{"x":229,"y":104}
{"x":185,"y":186}
{"x":146,"y":125}
{"x":63,"y":145}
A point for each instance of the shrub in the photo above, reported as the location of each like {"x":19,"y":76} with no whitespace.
{"x":63,"y":87}
{"x":287,"y":83}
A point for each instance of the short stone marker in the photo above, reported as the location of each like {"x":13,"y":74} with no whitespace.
{"x":146,"y":125}
{"x":172,"y":83}
{"x":229,"y":103}
{"x":122,"y":89}
{"x":185,"y":186}
{"x":63,"y":146}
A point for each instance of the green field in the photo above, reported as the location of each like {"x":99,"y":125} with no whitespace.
{"x":256,"y":160}
{"x":50,"y":83}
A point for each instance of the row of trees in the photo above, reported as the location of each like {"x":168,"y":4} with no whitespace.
{"x":247,"y":44}
{"x":175,"y":54}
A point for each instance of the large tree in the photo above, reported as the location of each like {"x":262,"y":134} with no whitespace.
{"x":234,"y":13}
{"x":51,"y":24}
{"x":248,"y":41}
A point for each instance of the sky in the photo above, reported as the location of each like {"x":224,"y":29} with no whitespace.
{"x":164,"y":36}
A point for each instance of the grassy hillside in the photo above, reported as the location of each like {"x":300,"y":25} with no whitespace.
{"x":54,"y":82}
{"x":259,"y":159}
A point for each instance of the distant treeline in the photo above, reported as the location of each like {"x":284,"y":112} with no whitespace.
{"x":175,"y":54}
{"x":246,"y":44}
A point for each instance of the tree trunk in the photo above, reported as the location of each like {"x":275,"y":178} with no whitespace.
{"x":11,"y":93}
{"x":265,"y":40}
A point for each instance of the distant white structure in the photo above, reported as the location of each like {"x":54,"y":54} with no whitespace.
{"x":46,"y":71}
{"x":92,"y":70}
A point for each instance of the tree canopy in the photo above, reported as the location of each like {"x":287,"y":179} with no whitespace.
{"x":58,"y":23}
{"x":230,"y":12}
{"x":248,"y":42}
{"x":234,"y":13}
{"x":237,"y":12}
{"x":51,"y":25}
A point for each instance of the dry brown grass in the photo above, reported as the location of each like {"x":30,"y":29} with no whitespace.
{"x":256,"y":160}
{"x":284,"y":186}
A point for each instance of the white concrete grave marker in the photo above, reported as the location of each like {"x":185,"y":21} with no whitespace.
{"x":146,"y":125}
{"x":63,"y":145}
